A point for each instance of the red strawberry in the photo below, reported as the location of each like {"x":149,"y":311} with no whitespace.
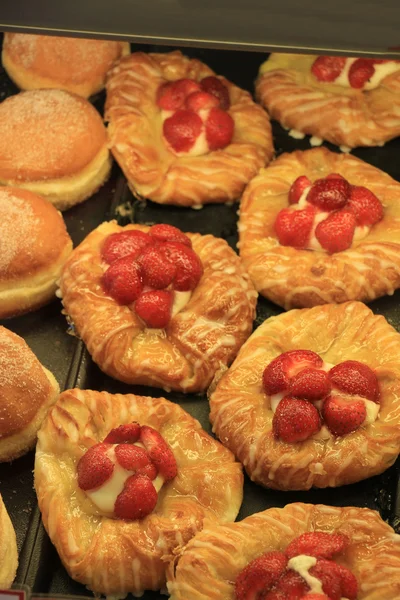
{"x":355,"y":378}
{"x":259,"y":575}
{"x":293,"y":227}
{"x":124,"y":434}
{"x":182,"y":130}
{"x":137,"y":500}
{"x":278,"y":373}
{"x":315,"y":597}
{"x":348,"y":583}
{"x":328,"y":68}
{"x":172,"y":95}
{"x":295,"y":420}
{"x":360,"y":72}
{"x":274,"y":594}
{"x":201,"y":101}
{"x":154,"y":308}
{"x":335,"y":233}
{"x":168,"y":233}
{"x":189,"y":268}
{"x":310,"y":384}
{"x":329,"y":575}
{"x":159,"y":452}
{"x":134,"y":458}
{"x":214,"y":86}
{"x":297,"y":188}
{"x":317,"y":543}
{"x":123,"y":280}
{"x":292,"y":585}
{"x":94,"y":468}
{"x":366,"y":207}
{"x":219,"y":129}
{"x":335,"y":176}
{"x":343,"y":417}
{"x":124,"y":243}
{"x":329,"y":194}
{"x":156,"y":269}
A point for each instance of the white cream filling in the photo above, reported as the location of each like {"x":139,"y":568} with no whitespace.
{"x":381,"y":71}
{"x":180,"y":301}
{"x":200,"y":146}
{"x":302,"y":565}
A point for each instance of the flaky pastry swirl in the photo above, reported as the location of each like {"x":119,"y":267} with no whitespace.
{"x":8,"y":549}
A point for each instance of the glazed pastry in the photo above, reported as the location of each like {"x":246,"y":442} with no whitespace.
{"x":8,"y":549}
{"x":318,"y":227}
{"x":181,"y":134}
{"x":73,"y":64}
{"x":313,"y":398}
{"x":346,"y":101}
{"x":27,"y":390}
{"x":34,"y":244}
{"x":123,"y":482}
{"x":157,"y":307}
{"x":302,"y":551}
{"x":53,"y":143}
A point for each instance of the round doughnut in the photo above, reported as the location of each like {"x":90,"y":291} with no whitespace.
{"x":8,"y":549}
{"x":73,"y":64}
{"x":53,"y":143}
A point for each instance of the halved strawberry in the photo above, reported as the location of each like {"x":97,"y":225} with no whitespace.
{"x":137,"y":500}
{"x":201,"y":101}
{"x":156,"y":269}
{"x":134,"y":458}
{"x":168,"y":233}
{"x":343,"y":417}
{"x":123,"y":280}
{"x":94,"y":468}
{"x":154,"y":307}
{"x":189,"y":268}
{"x":329,"y":194}
{"x":277,"y":374}
{"x":159,"y":452}
{"x":295,"y":420}
{"x":213,"y":85}
{"x":219,"y":129}
{"x":317,"y":543}
{"x":355,"y":378}
{"x":259,"y":575}
{"x":128,"y":434}
{"x":124,"y":243}
{"x":182,"y":129}
{"x":328,"y":68}
{"x":360,"y":72}
{"x":329,"y":575}
{"x":297,"y":188}
{"x":172,"y":95}
{"x":293,"y":227}
{"x":292,"y":585}
{"x":315,"y":597}
{"x":336,"y":232}
{"x":310,"y":384}
{"x":366,"y":207}
{"x":335,"y":176}
{"x":348,"y":583}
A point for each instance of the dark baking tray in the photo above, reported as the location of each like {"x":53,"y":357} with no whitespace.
{"x":46,"y":332}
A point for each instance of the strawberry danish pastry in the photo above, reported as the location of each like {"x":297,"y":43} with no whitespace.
{"x":318,"y":227}
{"x":8,"y":549}
{"x":313,"y":398}
{"x":123,"y":482}
{"x":346,"y":101}
{"x":181,"y":134}
{"x":300,"y":552}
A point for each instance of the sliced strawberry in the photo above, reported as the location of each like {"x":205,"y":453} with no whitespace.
{"x":335,"y":176}
{"x":154,"y":308}
{"x":310,"y":384}
{"x":128,"y":434}
{"x":297,"y":188}
{"x":343,"y":417}
{"x":156,"y":269}
{"x":293,"y":227}
{"x":335,"y":233}
{"x":366,"y":207}
{"x":134,"y":458}
{"x":123,"y":280}
{"x":189,"y":268}
{"x":168,"y":233}
{"x":201,"y":101}
{"x":137,"y":500}
{"x":124,"y":243}
{"x":94,"y":468}
{"x":219,"y":129}
{"x":329,"y":194}
{"x":159,"y":452}
{"x":273,"y":594}
{"x":360,"y":72}
{"x":182,"y":129}
{"x":214,"y":86}
{"x":317,"y":543}
{"x":172,"y":95}
{"x":315,"y":597}
{"x":329,"y":575}
{"x":293,"y":585}
{"x":328,"y":68}
{"x":355,"y":378}
{"x":295,"y":420}
{"x":259,"y":575}
{"x":348,"y":583}
{"x":277,"y":374}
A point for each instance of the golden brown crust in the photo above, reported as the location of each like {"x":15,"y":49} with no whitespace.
{"x":202,"y":338}
{"x":210,"y":563}
{"x":343,"y":116}
{"x":135,"y":134}
{"x":242,"y":416}
{"x":113,"y":556}
{"x":8,"y":549}
{"x":301,"y":278}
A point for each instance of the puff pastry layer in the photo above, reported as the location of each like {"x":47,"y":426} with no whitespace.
{"x":8,"y":549}
{"x":210,"y":563}
{"x":114,"y":557}
{"x":242,"y":416}
{"x":293,"y":278}
{"x":203,"y":337}
{"x":135,"y":135}
{"x":341,"y":115}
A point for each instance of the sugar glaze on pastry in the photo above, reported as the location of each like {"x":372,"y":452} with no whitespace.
{"x":8,"y":549}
